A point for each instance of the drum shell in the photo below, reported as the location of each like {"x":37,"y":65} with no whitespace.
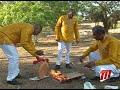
{"x":41,"y":69}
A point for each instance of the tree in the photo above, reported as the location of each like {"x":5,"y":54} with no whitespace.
{"x":43,"y":12}
{"x":101,"y":11}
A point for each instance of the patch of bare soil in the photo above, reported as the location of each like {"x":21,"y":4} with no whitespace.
{"x":49,"y":45}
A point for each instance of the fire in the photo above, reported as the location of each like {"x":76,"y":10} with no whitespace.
{"x":58,"y":75}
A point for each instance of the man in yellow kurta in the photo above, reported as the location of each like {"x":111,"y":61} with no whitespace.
{"x":65,"y":30}
{"x":11,"y":35}
{"x":108,"y":55}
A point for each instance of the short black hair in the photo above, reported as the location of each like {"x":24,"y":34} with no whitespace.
{"x":98,"y":29}
{"x":71,"y":10}
{"x":38,"y":25}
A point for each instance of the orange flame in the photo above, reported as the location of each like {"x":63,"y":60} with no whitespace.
{"x":58,"y":75}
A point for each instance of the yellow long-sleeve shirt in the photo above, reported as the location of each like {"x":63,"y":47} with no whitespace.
{"x":65,"y":30}
{"x":18,"y":33}
{"x":109,"y":49}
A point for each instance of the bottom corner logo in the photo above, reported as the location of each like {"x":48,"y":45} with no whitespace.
{"x":105,"y":74}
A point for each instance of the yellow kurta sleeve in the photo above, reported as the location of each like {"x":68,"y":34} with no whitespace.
{"x":94,"y":47}
{"x":77,"y":36}
{"x":113,"y":48}
{"x":26,"y":41}
{"x":58,"y":28}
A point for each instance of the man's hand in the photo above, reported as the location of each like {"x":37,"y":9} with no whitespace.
{"x":39,"y":52}
{"x":90,"y":64}
{"x":81,"y":59}
{"x":57,"y":40}
{"x":77,"y":42}
{"x":37,"y":57}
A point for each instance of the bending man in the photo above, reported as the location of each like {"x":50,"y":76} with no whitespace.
{"x":11,"y":35}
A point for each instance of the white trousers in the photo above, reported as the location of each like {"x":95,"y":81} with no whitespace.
{"x":61,"y":46}
{"x":12,"y":56}
{"x":93,"y":56}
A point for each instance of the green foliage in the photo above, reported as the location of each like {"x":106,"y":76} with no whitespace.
{"x":47,"y":13}
{"x":33,"y":11}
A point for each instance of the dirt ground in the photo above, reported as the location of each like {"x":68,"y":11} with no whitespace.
{"x":49,"y":46}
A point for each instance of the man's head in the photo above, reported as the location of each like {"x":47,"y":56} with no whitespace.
{"x":70,"y":13}
{"x":98,"y":32}
{"x":37,"y":29}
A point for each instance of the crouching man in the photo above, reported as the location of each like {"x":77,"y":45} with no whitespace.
{"x":103,"y":54}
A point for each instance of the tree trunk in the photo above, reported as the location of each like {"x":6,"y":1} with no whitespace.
{"x":106,"y":24}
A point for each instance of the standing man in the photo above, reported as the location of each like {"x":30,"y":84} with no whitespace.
{"x":65,"y":29}
{"x":11,"y":35}
{"x":103,"y":54}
